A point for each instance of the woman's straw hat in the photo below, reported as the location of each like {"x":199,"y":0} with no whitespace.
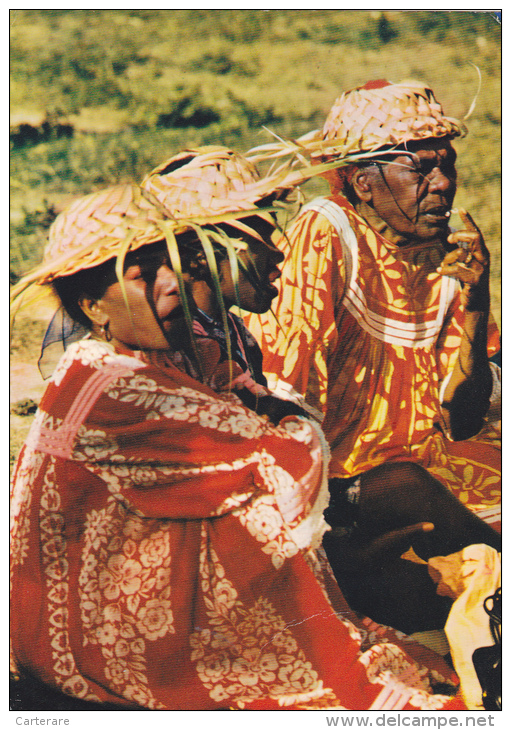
{"x":93,"y":229}
{"x":195,"y":187}
{"x":211,"y":180}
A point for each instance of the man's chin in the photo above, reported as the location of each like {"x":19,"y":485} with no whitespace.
{"x":433,"y":232}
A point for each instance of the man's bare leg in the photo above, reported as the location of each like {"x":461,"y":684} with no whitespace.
{"x":399,"y":494}
{"x":401,"y":505}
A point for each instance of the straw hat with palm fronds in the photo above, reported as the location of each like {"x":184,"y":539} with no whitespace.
{"x":211,"y":180}
{"x":216,"y":184}
{"x":381,"y":114}
{"x":197,"y":187}
{"x":365,"y":120}
{"x":196,"y":190}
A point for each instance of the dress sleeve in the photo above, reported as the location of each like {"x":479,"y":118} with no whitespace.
{"x":169,"y":451}
{"x":296,"y":340}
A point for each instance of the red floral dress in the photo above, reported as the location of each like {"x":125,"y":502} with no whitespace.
{"x":165,"y":554}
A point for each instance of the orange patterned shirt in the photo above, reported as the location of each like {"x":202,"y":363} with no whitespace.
{"x":367,"y":331}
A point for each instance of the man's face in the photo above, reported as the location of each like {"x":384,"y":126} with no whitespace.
{"x":414,"y":192}
{"x":256,"y":283}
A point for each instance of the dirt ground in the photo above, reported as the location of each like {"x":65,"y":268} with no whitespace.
{"x":26,"y":384}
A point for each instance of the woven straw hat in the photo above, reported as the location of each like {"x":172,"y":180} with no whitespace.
{"x":93,"y":229}
{"x":217,"y":184}
{"x":382,"y":114}
{"x":362,"y":122}
{"x":195,"y":187}
{"x":209,"y":181}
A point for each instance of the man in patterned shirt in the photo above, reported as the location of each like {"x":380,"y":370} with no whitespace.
{"x":383,"y":322}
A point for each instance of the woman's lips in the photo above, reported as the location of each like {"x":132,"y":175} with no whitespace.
{"x":274,"y":274}
{"x":172,"y":311}
{"x":269,"y":286}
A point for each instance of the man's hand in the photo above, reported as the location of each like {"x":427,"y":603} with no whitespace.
{"x":352,"y":554}
{"x":469,"y":263}
{"x":467,"y":395}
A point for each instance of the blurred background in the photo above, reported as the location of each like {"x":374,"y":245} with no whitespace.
{"x":102,"y":96}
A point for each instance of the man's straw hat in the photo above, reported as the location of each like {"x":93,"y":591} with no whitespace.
{"x":380,"y":114}
{"x":364,"y":121}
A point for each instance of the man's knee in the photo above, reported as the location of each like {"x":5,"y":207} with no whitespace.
{"x":396,"y":494}
{"x":396,"y":476}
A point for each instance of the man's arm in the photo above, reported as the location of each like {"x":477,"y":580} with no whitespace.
{"x":467,"y":395}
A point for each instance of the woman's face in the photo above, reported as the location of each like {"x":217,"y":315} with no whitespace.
{"x":154,"y":314}
{"x":256,"y":283}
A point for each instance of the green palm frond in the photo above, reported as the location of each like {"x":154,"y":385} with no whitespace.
{"x":119,"y":272}
{"x":234,"y":263}
{"x":215,"y":277}
{"x":175,"y":260}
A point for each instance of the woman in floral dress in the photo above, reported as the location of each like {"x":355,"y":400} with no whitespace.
{"x":166,"y":539}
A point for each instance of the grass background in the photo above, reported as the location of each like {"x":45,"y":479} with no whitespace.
{"x":102,"y":96}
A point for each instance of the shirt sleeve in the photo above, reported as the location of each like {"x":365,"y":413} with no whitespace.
{"x":449,"y":341}
{"x":296,"y":339}
{"x":178,"y":453}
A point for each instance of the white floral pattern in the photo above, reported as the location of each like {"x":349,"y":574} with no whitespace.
{"x":25,"y":474}
{"x":93,"y":444}
{"x":264,"y":521}
{"x":120,"y":513}
{"x":185,"y":404}
{"x":125,"y":595}
{"x":249,"y":652}
{"x":56,"y":570}
{"x":92,"y":353}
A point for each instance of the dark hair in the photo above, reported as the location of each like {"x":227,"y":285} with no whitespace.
{"x":191,"y":250}
{"x":91,"y":283}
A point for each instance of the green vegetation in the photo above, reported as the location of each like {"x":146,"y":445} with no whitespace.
{"x":101,"y":96}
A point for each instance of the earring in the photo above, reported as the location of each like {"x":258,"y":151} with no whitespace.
{"x":105,"y":333}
